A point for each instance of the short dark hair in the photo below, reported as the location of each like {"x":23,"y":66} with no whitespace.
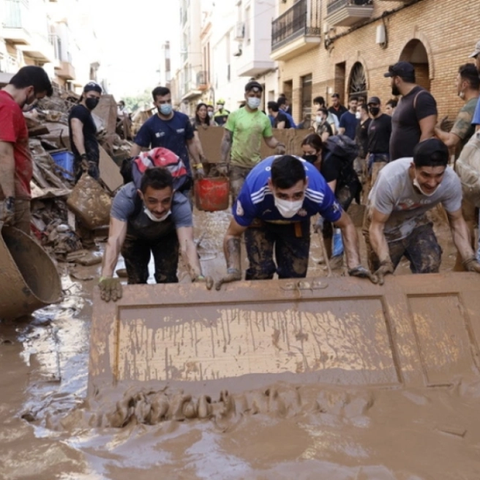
{"x":335,"y":95}
{"x":319,"y":100}
{"x":392,"y":102}
{"x":352,"y":98}
{"x":323,"y":110}
{"x":32,"y":76}
{"x":287,"y":171}
{"x":364,"y":106}
{"x":157,"y":177}
{"x":282,"y":100}
{"x":273,"y":106}
{"x":430,"y":153}
{"x":313,"y":140}
{"x":160,"y":92}
{"x":251,"y":85}
{"x":469,"y":73}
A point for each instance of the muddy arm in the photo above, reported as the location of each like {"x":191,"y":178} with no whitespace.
{"x":272,"y":142}
{"x":460,"y":234}
{"x":231,"y":245}
{"x":195,"y":149}
{"x":7,"y":169}
{"x":77,"y":135}
{"x":116,"y":237}
{"x":188,"y":250}
{"x":350,"y":240}
{"x":135,"y":150}
{"x":225,"y":146}
{"x":377,"y":236}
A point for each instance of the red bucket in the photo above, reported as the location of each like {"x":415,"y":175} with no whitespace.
{"x":212,"y":194}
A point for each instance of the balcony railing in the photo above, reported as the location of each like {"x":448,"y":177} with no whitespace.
{"x":297,"y":21}
{"x":202,"y":80}
{"x":334,"y":5}
{"x":16,"y":14}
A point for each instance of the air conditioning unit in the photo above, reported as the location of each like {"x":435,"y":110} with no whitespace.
{"x":239,"y":31}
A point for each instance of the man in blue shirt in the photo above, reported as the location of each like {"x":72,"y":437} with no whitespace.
{"x":348,"y":121}
{"x":273,"y":209}
{"x":169,"y":129}
{"x":282,"y":105}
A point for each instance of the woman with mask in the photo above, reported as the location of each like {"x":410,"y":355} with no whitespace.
{"x":342,"y":180}
{"x":83,"y":132}
{"x":202,"y":117}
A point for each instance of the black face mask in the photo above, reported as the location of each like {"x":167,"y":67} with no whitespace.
{"x":310,"y":158}
{"x":91,"y":102}
{"x":374,"y":110}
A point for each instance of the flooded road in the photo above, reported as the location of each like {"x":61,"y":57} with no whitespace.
{"x":284,"y":431}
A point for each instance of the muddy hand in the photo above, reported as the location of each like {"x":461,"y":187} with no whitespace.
{"x":110,"y":289}
{"x":7,"y":211}
{"x":280,"y":149}
{"x":199,"y":173}
{"x":471,"y":265}
{"x":233,"y":275}
{"x":362,"y":272}
{"x":222,"y":169}
{"x":386,"y":267}
{"x":207,"y":280}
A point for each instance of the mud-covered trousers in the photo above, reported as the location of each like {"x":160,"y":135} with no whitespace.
{"x":288,"y":243}
{"x":136,"y":252}
{"x":421,"y":248}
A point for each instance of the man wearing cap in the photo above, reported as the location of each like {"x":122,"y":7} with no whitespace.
{"x":244,"y":131}
{"x":28,"y":85}
{"x":415,"y":117}
{"x":83,"y":132}
{"x":396,"y":223}
{"x":221,"y":115}
{"x":379,"y":132}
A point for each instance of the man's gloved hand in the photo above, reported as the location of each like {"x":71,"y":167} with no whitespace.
{"x":280,"y":149}
{"x":222,"y":169}
{"x":110,"y":289}
{"x":207,"y":280}
{"x":471,"y":265}
{"x":7,"y":211}
{"x":233,"y":275}
{"x":386,"y":267}
{"x":362,"y":272}
{"x":199,"y":173}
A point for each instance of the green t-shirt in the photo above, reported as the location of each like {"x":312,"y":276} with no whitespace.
{"x":248,"y":129}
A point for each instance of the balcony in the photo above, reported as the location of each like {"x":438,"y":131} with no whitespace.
{"x":346,"y":13}
{"x":16,"y":22}
{"x":202,"y":80}
{"x":65,"y":70}
{"x":296,"y":31}
{"x":195,"y":87}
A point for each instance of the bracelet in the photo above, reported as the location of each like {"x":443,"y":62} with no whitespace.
{"x":198,"y":166}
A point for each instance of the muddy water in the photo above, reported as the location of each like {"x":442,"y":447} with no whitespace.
{"x":279,"y":432}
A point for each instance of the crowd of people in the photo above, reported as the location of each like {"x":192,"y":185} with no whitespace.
{"x":398,"y":153}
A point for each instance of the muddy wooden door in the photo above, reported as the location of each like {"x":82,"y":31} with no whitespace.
{"x":416,"y":330}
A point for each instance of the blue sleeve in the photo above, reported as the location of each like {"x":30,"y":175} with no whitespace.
{"x":189,"y":129}
{"x":123,"y":204}
{"x":142,"y":138}
{"x":181,"y":211}
{"x":330,"y":209}
{"x":343,"y":121}
{"x":243,"y":210}
{"x":476,"y":115}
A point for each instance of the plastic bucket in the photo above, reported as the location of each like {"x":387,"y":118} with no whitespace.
{"x":212,"y":194}
{"x":65,"y":160}
{"x":28,"y":279}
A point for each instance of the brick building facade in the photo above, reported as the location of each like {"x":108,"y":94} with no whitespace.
{"x":435,"y":35}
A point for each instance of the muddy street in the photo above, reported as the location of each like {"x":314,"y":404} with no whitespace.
{"x":228,"y":430}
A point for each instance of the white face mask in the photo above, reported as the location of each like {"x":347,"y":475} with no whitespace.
{"x":358,"y":115}
{"x":210,"y":114}
{"x":415,"y":182}
{"x":319,"y":119}
{"x":153,"y":218}
{"x":253,"y":102}
{"x":287,"y":208}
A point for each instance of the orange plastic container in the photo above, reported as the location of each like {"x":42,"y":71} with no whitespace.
{"x":212,"y":194}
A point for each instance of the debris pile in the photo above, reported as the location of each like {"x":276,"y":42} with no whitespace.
{"x":52,"y":222}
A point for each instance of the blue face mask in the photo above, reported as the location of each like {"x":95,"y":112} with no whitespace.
{"x":165,"y":109}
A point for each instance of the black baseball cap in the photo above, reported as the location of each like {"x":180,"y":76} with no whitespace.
{"x":374,"y":100}
{"x":92,"y":86}
{"x":402,"y":70}
{"x":253,"y":86}
{"x":430,"y":150}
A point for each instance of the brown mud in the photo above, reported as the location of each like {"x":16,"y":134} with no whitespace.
{"x":283,"y":431}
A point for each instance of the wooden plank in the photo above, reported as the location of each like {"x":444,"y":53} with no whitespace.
{"x":109,"y":171}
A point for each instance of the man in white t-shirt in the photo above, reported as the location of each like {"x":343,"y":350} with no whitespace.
{"x":397,"y":224}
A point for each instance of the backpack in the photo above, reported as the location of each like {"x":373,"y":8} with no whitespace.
{"x":343,"y":147}
{"x":134,"y":168}
{"x":467,"y":167}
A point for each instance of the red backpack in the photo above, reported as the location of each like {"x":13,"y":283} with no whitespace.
{"x":160,"y":157}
